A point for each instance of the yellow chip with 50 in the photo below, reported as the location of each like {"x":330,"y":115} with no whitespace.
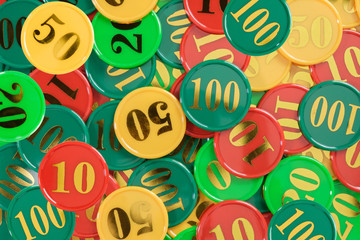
{"x":149,"y":122}
{"x":315,"y":34}
{"x":57,"y":37}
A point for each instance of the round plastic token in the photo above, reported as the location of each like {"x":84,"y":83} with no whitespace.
{"x":198,"y":46}
{"x":136,"y":205}
{"x":207,"y":15}
{"x":215,"y":95}
{"x":13,"y":13}
{"x":11,"y":163}
{"x":253,"y":147}
{"x":85,"y":5}
{"x":114,"y":82}
{"x":202,"y":204}
{"x":315,"y":34}
{"x":346,"y":166}
{"x":191,"y":129}
{"x":347,"y":12}
{"x":4,"y":231}
{"x":341,"y":65}
{"x":126,"y":45}
{"x":174,"y":22}
{"x":124,"y":11}
{"x":187,"y":234}
{"x":265,"y":35}
{"x":266,"y":72}
{"x":71,"y":90}
{"x":102,"y":137}
{"x":60,"y":124}
{"x":30,"y":216}
{"x":149,"y":122}
{"x":298,"y":215}
{"x":225,"y":219}
{"x":344,"y":209}
{"x":22,"y":106}
{"x":163,"y":175}
{"x":328,"y":115}
{"x":73,"y":176}
{"x":86,"y":219}
{"x":298,"y":177}
{"x":283,"y":103}
{"x":57,"y":37}
{"x":218,"y":184}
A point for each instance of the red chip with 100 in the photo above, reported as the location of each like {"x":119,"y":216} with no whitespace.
{"x":73,"y":176}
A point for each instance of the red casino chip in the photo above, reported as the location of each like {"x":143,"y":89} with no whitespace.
{"x":283,"y":103}
{"x":71,"y":90}
{"x":231,"y":219}
{"x":252,"y":148}
{"x":191,"y":129}
{"x":73,"y":176}
{"x":198,"y":46}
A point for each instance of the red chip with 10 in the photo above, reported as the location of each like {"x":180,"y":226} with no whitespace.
{"x":73,"y":176}
{"x":252,"y":148}
{"x":283,"y":103}
{"x":231,"y":219}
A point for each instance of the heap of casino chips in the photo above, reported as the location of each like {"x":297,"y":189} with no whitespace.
{"x":179,"y":119}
